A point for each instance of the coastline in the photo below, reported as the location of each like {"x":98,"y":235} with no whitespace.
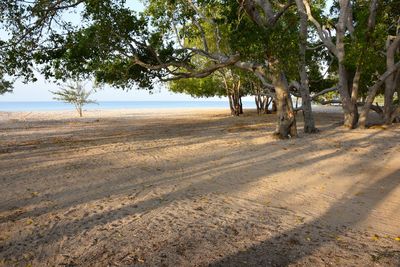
{"x":107,"y":113}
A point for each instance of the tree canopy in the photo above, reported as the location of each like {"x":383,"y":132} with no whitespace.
{"x":290,"y":47}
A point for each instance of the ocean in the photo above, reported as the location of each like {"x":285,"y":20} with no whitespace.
{"x":53,"y":105}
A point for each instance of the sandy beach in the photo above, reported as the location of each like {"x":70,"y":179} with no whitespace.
{"x":195,"y":187}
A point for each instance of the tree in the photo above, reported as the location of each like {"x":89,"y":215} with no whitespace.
{"x":267,"y":39}
{"x":74,"y":94}
{"x":117,"y":46}
{"x":360,"y":28}
{"x":309,"y":123}
{"x":223,"y":82}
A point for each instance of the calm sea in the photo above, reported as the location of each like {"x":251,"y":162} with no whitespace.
{"x":52,"y":105}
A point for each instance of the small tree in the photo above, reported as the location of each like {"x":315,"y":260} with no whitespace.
{"x":74,"y":94}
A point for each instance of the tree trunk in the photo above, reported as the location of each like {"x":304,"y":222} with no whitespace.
{"x":274,"y":108}
{"x":258,"y":99}
{"x":286,"y":126}
{"x":266,"y":103}
{"x":231,"y":105}
{"x":233,"y":98}
{"x":309,"y":123}
{"x":350,"y":109}
{"x":372,"y":92}
{"x":240,"y":105}
{"x":234,"y":105}
{"x":258,"y":104}
{"x":388,"y":100}
{"x":391,"y":82}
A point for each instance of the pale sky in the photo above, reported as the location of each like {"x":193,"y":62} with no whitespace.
{"x":39,"y":91}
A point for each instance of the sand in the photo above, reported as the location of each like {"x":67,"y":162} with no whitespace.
{"x":195,"y":188}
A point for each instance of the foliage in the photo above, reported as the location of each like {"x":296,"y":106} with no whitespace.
{"x":205,"y":87}
{"x":5,"y":86}
{"x":188,"y":42}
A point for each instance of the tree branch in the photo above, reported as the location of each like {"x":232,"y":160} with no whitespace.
{"x":322,"y":33}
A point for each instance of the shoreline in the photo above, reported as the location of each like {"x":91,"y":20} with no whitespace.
{"x":71,"y":113}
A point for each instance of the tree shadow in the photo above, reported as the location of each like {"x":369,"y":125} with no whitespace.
{"x":130,"y":182}
{"x":291,"y":246}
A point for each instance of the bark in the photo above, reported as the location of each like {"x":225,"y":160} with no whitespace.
{"x":395,"y":115}
{"x":240,"y":105}
{"x":232,"y":105}
{"x":266,"y":103}
{"x":309,"y":123}
{"x":258,"y":104}
{"x":232,"y":91}
{"x":259,"y":99}
{"x":398,"y":88}
{"x":274,"y":106}
{"x":391,"y":81}
{"x":372,"y":92}
{"x":286,"y":125}
{"x":315,"y":96}
{"x":235,"y":105}
{"x":349,"y":107}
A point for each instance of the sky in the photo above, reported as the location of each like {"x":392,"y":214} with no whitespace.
{"x":39,"y":91}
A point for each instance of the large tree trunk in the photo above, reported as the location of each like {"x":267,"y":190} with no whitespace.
{"x":349,"y":107}
{"x":391,"y":82}
{"x":309,"y":123}
{"x":233,"y":96}
{"x":232,"y":105}
{"x":286,"y":125}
